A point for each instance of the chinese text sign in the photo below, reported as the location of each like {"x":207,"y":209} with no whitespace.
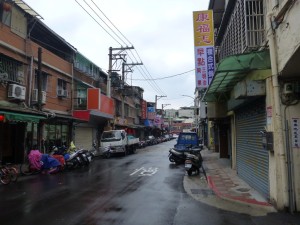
{"x":204,"y":48}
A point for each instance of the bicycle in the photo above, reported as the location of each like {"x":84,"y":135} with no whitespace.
{"x":8,"y":173}
{"x":4,"y":176}
{"x":26,"y":168}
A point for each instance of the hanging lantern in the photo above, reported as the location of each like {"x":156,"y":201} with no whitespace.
{"x":2,"y":118}
{"x":6,"y":6}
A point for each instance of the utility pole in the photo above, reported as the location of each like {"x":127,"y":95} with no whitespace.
{"x":39,"y":79}
{"x":162,"y":115}
{"x":128,"y":70}
{"x":124,"y":70}
{"x":39,"y":105}
{"x":157,"y":98}
{"x":114,"y":57}
{"x":163,"y":105}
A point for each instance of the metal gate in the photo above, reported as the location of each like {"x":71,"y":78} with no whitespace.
{"x":84,"y":137}
{"x":252,"y":158}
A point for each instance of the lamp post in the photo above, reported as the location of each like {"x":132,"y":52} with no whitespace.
{"x":163,"y":105}
{"x":188,"y":96}
{"x":162,"y":109}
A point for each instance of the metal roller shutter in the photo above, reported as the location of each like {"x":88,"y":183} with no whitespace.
{"x":252,"y":159}
{"x":84,"y":137}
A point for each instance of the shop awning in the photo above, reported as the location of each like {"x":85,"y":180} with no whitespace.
{"x":19,"y":117}
{"x":27,"y":8}
{"x":233,"y":69}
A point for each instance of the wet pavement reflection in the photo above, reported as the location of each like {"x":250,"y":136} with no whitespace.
{"x":143,"y":188}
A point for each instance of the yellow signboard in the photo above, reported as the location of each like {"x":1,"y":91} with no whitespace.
{"x":203,"y":28}
{"x":204,"y":47}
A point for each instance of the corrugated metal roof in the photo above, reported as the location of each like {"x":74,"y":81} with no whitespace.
{"x":27,"y":8}
{"x":233,"y":69}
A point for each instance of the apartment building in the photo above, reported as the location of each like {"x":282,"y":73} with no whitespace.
{"x":51,"y":94}
{"x":253,"y":99}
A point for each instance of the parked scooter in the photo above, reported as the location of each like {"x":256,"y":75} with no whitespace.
{"x":83,"y":157}
{"x":179,"y":155}
{"x":186,"y":141}
{"x":86,"y":156}
{"x":193,"y":161}
{"x":74,"y":157}
{"x":176,"y":156}
{"x":142,"y":144}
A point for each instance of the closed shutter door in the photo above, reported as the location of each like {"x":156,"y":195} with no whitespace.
{"x":252,"y":158}
{"x":84,"y":137}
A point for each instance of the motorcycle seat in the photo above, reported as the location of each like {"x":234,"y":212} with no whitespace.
{"x":173,"y":151}
{"x":191,"y":156}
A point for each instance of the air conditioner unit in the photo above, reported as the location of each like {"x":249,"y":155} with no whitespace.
{"x":35,"y":96}
{"x":62,"y":93}
{"x":16,"y":91}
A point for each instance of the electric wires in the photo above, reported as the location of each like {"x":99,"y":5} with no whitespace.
{"x":94,"y":11}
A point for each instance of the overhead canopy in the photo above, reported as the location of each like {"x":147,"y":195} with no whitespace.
{"x":18,"y":117}
{"x":27,"y":8}
{"x":233,"y":69}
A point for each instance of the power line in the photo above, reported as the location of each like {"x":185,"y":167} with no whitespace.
{"x":97,"y":22}
{"x":103,"y":20}
{"x":146,"y":76}
{"x":151,"y":81}
{"x":162,"y":78}
{"x":111,"y":23}
{"x":149,"y":75}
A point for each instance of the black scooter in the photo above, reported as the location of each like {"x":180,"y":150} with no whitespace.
{"x":193,"y":162}
{"x":176,"y":156}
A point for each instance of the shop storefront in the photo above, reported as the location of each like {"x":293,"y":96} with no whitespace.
{"x":252,"y":158}
{"x":18,"y":134}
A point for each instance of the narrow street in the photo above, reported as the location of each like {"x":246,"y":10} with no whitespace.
{"x":144,"y":188}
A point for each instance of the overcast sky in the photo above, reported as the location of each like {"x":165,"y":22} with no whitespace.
{"x":161,"y":32}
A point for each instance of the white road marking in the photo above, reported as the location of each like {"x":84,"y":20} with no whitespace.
{"x":145,"y":172}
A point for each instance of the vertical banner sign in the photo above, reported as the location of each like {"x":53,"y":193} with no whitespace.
{"x":204,"y":47}
{"x":144,"y":109}
{"x":151,"y":110}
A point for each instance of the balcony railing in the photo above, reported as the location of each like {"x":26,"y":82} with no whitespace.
{"x":246,"y":29}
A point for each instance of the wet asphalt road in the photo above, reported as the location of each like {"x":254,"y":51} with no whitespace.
{"x":138,"y":189}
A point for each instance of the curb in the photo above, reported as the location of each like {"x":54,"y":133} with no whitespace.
{"x":241,"y":200}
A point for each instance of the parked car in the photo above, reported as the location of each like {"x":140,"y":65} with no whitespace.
{"x":119,"y":141}
{"x":187,"y":140}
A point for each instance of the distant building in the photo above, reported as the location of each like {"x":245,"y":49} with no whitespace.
{"x":181,"y":119}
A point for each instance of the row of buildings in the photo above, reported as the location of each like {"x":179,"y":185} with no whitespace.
{"x":51,"y":94}
{"x":250,"y":112}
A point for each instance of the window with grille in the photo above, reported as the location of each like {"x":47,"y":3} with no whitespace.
{"x":62,"y":88}
{"x":246,"y":29}
{"x":61,"y":84}
{"x":11,"y":70}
